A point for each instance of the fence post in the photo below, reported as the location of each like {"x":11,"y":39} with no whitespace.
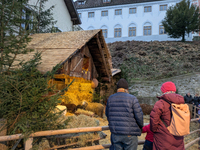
{"x":28,"y":144}
{"x":194,"y":111}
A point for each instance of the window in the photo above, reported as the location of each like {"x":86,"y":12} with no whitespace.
{"x":106,"y":1}
{"x":147,"y":9}
{"x":117,"y":32}
{"x":163,"y":7}
{"x":132,"y":31}
{"x":162,"y":30}
{"x":28,"y":18}
{"x":147,"y":30}
{"x":118,"y":12}
{"x":132,"y":10}
{"x":105,"y":32}
{"x":81,"y":2}
{"x":90,"y":14}
{"x":104,"y":13}
{"x":79,"y":14}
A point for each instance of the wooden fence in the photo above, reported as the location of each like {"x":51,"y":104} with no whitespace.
{"x":28,"y":143}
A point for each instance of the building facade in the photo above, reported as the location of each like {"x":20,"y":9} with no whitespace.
{"x":64,"y":13}
{"x":122,"y":20}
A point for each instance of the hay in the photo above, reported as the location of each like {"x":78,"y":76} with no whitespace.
{"x":84,"y":112}
{"x":82,"y":121}
{"x":43,"y":144}
{"x":78,"y":91}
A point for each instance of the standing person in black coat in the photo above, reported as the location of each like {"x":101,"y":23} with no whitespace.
{"x":188,"y":98}
{"x":125,"y":118}
{"x":196,"y":100}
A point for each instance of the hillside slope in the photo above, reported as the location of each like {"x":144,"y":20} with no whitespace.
{"x":155,"y":60}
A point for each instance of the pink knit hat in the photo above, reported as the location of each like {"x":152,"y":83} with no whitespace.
{"x":168,"y":86}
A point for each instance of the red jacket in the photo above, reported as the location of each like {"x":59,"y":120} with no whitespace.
{"x":149,"y":135}
{"x":163,"y":140}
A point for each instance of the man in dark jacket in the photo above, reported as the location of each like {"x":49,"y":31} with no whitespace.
{"x":125,"y":118}
{"x":188,"y":98}
{"x":196,"y":100}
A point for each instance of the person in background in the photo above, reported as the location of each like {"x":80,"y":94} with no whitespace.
{"x":125,"y":118}
{"x":196,"y":99}
{"x":188,"y":98}
{"x":196,"y":102}
{"x":163,"y":139}
{"x":148,"y":144}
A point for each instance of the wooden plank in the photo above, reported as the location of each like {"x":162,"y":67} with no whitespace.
{"x":198,"y":130}
{"x":96,"y":147}
{"x":194,"y":111}
{"x":28,"y":144}
{"x":191,"y":143}
{"x":102,"y":55}
{"x":55,"y":132}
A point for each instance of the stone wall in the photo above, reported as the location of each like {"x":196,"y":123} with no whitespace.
{"x":151,"y":89}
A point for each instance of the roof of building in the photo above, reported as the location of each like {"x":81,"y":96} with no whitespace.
{"x":99,"y":3}
{"x":57,"y":48}
{"x":72,"y":11}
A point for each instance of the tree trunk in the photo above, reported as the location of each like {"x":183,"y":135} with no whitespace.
{"x":2,"y":36}
{"x":183,"y":37}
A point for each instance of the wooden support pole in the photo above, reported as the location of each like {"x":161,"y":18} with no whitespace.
{"x":198,"y":130}
{"x":28,"y":144}
{"x":55,"y":132}
{"x":61,"y":132}
{"x":194,"y":111}
{"x":102,"y":55}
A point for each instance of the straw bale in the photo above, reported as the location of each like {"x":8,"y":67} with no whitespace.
{"x":84,"y":112}
{"x":82,"y":121}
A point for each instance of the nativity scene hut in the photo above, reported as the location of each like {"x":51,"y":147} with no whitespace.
{"x":83,"y":56}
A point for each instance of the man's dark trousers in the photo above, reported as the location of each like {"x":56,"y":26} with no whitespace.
{"x":123,"y":142}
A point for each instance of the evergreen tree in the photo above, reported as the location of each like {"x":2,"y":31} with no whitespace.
{"x":44,"y":17}
{"x":182,"y":19}
{"x":22,"y":91}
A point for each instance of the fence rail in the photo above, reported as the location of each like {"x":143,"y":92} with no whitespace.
{"x":28,"y":143}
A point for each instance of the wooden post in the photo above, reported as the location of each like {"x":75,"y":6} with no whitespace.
{"x":194,"y":111}
{"x":199,"y":136}
{"x":28,"y":144}
{"x":3,"y":132}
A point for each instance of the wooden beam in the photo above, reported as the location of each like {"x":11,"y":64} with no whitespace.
{"x":102,"y":55}
{"x":191,"y":143}
{"x":54,"y":132}
{"x":29,"y":144}
{"x":96,"y":147}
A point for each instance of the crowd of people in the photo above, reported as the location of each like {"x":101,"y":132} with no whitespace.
{"x":193,"y":101}
{"x":188,"y":98}
{"x":125,"y":118}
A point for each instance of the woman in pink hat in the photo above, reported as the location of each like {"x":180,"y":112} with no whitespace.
{"x":163,"y":140}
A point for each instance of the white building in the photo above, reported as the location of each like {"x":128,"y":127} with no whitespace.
{"x":64,"y":13}
{"x":123,"y":20}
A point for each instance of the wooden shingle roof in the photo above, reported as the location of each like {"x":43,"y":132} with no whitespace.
{"x":59,"y":47}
